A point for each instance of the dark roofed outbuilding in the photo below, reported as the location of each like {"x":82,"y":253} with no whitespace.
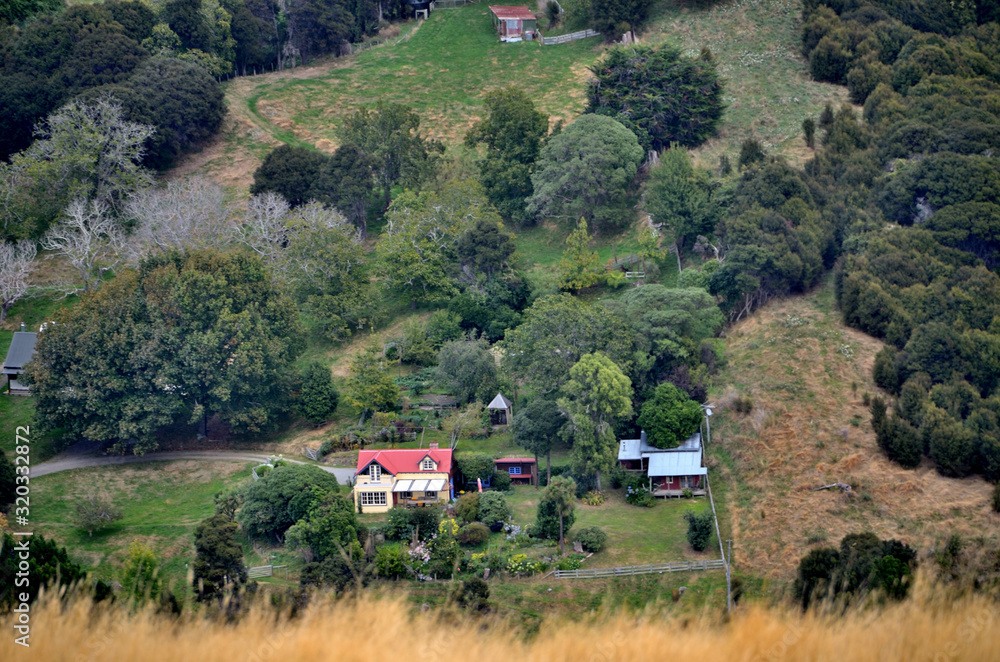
{"x":22,"y":348}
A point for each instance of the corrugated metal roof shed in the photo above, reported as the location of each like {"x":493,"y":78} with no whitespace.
{"x":505,"y":12}
{"x":687,"y":463}
{"x":22,"y":348}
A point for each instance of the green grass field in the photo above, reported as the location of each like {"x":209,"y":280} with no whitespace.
{"x":635,"y":535}
{"x":442,"y":70}
{"x":162,"y":503}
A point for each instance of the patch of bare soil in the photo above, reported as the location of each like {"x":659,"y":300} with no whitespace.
{"x":807,"y":376}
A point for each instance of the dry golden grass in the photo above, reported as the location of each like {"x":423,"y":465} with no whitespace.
{"x":371,"y":629}
{"x":807,"y":374}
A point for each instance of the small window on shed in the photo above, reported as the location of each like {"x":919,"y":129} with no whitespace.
{"x":514,"y":471}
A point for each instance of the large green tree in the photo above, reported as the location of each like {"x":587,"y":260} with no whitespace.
{"x":512,"y":132}
{"x":588,"y":170}
{"x":370,"y":387}
{"x":681,"y":197}
{"x":669,"y":417}
{"x":389,"y":136}
{"x":417,"y":253}
{"x":467,"y":368}
{"x":283,"y":497}
{"x":292,"y":172}
{"x":319,"y":397}
{"x":194,"y":334}
{"x":536,"y":427}
{"x":558,"y":330}
{"x":614,"y":17}
{"x":597,"y":396}
{"x":86,"y":151}
{"x":556,"y":507}
{"x":218,"y":562}
{"x":662,"y":95}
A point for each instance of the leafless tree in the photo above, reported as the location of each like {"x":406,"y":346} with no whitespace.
{"x":16,"y":260}
{"x":94,"y":511}
{"x":263,"y":230}
{"x":192,"y":213}
{"x":90,"y":238}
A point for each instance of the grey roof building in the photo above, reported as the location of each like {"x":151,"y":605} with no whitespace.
{"x":22,"y":348}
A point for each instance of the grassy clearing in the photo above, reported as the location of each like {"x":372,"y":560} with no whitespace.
{"x":768,"y":91}
{"x":442,"y":70}
{"x":635,"y":535}
{"x":807,"y":375}
{"x":162,"y":503}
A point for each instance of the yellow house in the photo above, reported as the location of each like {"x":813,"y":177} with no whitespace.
{"x":409,"y":476}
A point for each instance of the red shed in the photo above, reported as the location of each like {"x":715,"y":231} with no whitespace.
{"x":522,"y":470}
{"x":514,"y":23}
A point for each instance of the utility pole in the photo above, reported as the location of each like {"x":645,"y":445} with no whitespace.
{"x":729,"y":578}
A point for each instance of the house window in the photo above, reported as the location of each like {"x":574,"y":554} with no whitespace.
{"x":514,"y":471}
{"x":430,"y":496}
{"x":406,"y":495}
{"x":375,"y":472}
{"x":373,"y":499}
{"x":428,"y":464}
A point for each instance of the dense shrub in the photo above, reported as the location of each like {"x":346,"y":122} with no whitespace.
{"x":493,"y":508}
{"x":467,"y":507}
{"x":283,"y":497}
{"x":500,"y":481}
{"x":592,"y":539}
{"x":473,"y":534}
{"x":660,"y":94}
{"x":404,"y":523}
{"x":699,"y":531}
{"x":390,"y":561}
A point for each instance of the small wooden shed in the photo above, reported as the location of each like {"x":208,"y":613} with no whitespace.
{"x":522,"y":470}
{"x":501,"y":412}
{"x":514,"y":23}
{"x":22,"y":348}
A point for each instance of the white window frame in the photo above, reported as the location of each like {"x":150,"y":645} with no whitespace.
{"x":514,"y":470}
{"x":427,"y":464}
{"x":375,"y":473}
{"x":374,"y":499}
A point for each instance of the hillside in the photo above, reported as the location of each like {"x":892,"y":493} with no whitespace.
{"x":441,"y":67}
{"x":768,"y":90}
{"x":807,"y":375}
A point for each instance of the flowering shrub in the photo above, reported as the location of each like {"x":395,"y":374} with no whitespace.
{"x":574,"y":562}
{"x":594,"y":498}
{"x":519,"y":565}
{"x":448,"y":527}
{"x":636,"y":492}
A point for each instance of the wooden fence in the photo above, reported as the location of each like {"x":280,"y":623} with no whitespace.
{"x":573,"y":36}
{"x":312,"y":454}
{"x":265,"y":571}
{"x":631,"y":570}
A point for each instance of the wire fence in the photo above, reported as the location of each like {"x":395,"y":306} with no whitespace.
{"x":649,"y":569}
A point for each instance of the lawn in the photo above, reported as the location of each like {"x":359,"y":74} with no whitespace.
{"x":636,"y":535}
{"x":441,"y":68}
{"x":162,"y":503}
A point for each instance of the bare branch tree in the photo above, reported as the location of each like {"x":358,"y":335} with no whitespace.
{"x":90,"y":239}
{"x":263,"y":231}
{"x":94,"y":511}
{"x":93,"y":150}
{"x":16,"y":261}
{"x":192,"y":213}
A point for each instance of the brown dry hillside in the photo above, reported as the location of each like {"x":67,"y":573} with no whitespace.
{"x":807,"y":375}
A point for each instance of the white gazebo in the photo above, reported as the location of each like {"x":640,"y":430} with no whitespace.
{"x":501,"y":411}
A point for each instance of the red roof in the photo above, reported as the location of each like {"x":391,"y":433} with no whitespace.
{"x":513,"y":460}
{"x":504,"y":12}
{"x":405,"y":459}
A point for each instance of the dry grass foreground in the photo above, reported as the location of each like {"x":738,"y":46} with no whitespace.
{"x":370,"y":629}
{"x":807,"y":375}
